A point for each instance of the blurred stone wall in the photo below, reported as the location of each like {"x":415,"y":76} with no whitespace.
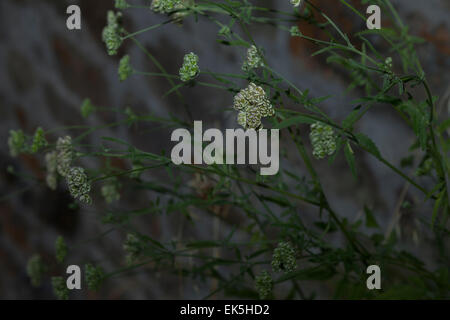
{"x":48,"y":70}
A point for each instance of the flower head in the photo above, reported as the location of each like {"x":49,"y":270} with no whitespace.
{"x":87,"y":108}
{"x":295,"y":31}
{"x":60,"y":249}
{"x":323,"y":140}
{"x":64,"y":151}
{"x":264,"y":285}
{"x":17,"y":142}
{"x":125,"y":69}
{"x":283,"y":258}
{"x":94,"y":276}
{"x":388,"y":63}
{"x":51,"y":160}
{"x":112,"y":33}
{"x":60,"y":288}
{"x":189,"y":70}
{"x":110,"y":192}
{"x":252,"y":104}
{"x":254,"y":59}
{"x":296,"y":3}
{"x":36,"y":270}
{"x":79,"y":185}
{"x":38,"y":140}
{"x":121,"y":4}
{"x":165,"y":6}
{"x":133,"y":247}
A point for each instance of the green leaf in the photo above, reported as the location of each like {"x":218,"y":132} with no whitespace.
{"x":437,"y":205}
{"x":371,"y":222}
{"x":368,"y":144}
{"x":419,"y":120}
{"x":350,"y":159}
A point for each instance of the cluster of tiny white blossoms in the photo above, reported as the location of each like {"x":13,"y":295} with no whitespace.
{"x":112,"y":33}
{"x":17,"y":142}
{"x":169,"y":6}
{"x":110,"y":191}
{"x":283,"y":258}
{"x":296,"y":3}
{"x":36,"y":269}
{"x":39,"y":141}
{"x":295,"y":31}
{"x":254,"y":59}
{"x":133,"y":247}
{"x":51,"y":161}
{"x":264,"y":285}
{"x":253,"y":105}
{"x":165,"y":6}
{"x":60,"y":249}
{"x":64,"y":151}
{"x":125,"y":69}
{"x":121,"y":4}
{"x":60,"y":289}
{"x":323,"y":140}
{"x":94,"y":276}
{"x":79,"y":185}
{"x":189,"y":70}
{"x":388,"y":63}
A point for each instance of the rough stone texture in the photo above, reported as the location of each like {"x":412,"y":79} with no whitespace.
{"x":48,"y":71}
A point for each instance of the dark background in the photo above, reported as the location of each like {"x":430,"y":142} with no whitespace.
{"x":47,"y":71}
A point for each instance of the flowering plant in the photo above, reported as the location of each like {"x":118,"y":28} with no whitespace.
{"x":276,"y":248}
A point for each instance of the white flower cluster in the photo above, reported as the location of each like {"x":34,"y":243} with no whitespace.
{"x":36,"y":269}
{"x":51,"y":160}
{"x":125,"y":69}
{"x":295,"y":31}
{"x":283,"y":258}
{"x":296,"y":3}
{"x":121,"y":4}
{"x":323,"y":140}
{"x":165,"y":6}
{"x":189,"y":70}
{"x":16,"y":142}
{"x":253,"y":105}
{"x":64,"y":151}
{"x":264,"y":285}
{"x":79,"y":185}
{"x":112,"y":33}
{"x":133,"y":247}
{"x":388,"y":63}
{"x":254,"y":59}
{"x":110,"y":192}
{"x":169,"y":6}
{"x":60,"y":289}
{"x":94,"y":276}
